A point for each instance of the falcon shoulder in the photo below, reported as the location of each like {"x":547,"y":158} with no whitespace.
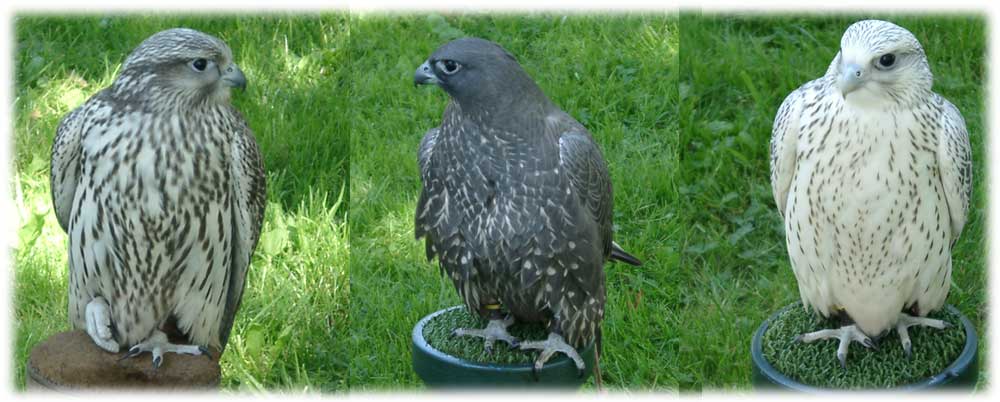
{"x":67,"y":150}
{"x":584,"y":165}
{"x":955,"y":163}
{"x":249,"y":197}
{"x":784,"y":142}
{"x":425,"y":151}
{"x":427,"y":202}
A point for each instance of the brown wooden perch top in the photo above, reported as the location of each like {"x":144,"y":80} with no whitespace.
{"x":71,"y":361}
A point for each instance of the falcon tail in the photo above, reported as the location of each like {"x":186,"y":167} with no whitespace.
{"x":617,"y":254}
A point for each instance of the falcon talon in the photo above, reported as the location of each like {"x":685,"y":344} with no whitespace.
{"x":157,"y":361}
{"x":205,"y":352}
{"x":844,"y":336}
{"x":133,"y":352}
{"x":495,"y":330}
{"x":98,"y":323}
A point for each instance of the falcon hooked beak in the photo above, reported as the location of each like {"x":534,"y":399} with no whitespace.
{"x":852,"y":77}
{"x":233,"y":77}
{"x":425,"y":75}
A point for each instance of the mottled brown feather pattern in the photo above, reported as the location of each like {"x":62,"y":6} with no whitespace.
{"x":160,"y":184}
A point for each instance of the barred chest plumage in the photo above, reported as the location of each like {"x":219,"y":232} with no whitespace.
{"x":162,"y":164}
{"x":866,"y":220}
{"x":497,"y":182}
{"x":152,"y":222}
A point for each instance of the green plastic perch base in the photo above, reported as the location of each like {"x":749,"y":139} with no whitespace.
{"x":947,"y":361}
{"x":440,"y":370}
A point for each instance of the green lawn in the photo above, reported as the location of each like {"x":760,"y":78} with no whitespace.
{"x":736,"y":70}
{"x":615,"y":74}
{"x":289,"y":333}
{"x":681,"y":108}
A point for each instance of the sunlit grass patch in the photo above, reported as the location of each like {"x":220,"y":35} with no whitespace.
{"x":294,"y":311}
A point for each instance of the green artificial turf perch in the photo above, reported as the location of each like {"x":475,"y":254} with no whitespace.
{"x":814,"y":364}
{"x":438,"y":330}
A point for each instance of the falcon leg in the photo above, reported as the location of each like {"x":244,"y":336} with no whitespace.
{"x":494,"y":331}
{"x":845,"y":334}
{"x":906,"y":321}
{"x":98,"y":317}
{"x":555,"y":343}
{"x":157,"y":344}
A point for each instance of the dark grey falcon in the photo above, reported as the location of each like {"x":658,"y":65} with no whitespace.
{"x":516,"y":202}
{"x":159,"y":183}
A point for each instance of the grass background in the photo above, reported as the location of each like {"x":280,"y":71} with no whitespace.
{"x":736,"y":71}
{"x":617,"y":75}
{"x":692,"y":197}
{"x":289,"y":331}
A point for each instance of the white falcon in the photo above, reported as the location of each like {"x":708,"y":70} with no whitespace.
{"x":872,"y":173}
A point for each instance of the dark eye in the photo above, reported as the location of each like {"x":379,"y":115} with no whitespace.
{"x":449,"y":66}
{"x":887,"y":60}
{"x":199,"y":64}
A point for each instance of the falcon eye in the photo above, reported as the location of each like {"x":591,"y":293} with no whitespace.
{"x":199,"y":64}
{"x":887,"y":60}
{"x":449,"y":66}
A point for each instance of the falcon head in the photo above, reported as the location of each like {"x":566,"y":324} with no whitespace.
{"x":880,"y":62}
{"x":179,"y":66}
{"x":479,"y":75}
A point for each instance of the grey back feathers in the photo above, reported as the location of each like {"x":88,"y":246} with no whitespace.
{"x":160,"y":185}
{"x":516,"y":200}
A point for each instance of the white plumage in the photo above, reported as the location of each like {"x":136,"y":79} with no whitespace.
{"x":871,"y":172}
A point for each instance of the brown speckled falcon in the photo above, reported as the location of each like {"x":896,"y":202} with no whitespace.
{"x":516,"y":201}
{"x":159,"y":183}
{"x":872,"y":174}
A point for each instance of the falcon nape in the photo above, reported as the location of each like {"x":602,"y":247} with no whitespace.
{"x":516,"y":202}
{"x":872,"y":174}
{"x":159,"y":183}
